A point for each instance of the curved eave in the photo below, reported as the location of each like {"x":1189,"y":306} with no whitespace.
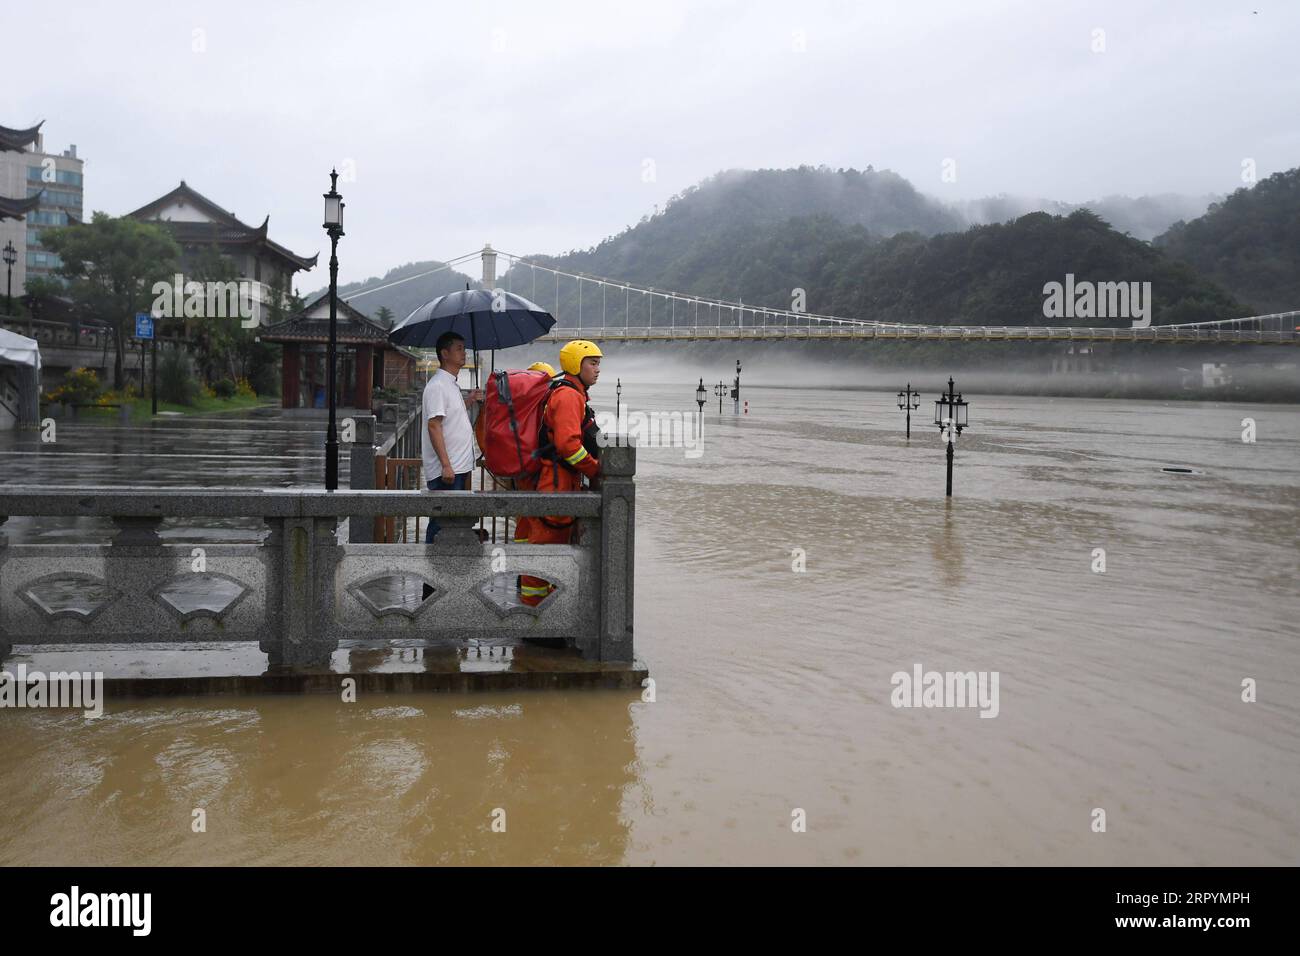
{"x":18,"y":208}
{"x":299,"y":262}
{"x":17,"y":140}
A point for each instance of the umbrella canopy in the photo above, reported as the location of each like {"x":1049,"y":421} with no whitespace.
{"x":514,"y":320}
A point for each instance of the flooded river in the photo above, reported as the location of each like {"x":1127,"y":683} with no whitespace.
{"x":784,"y":577}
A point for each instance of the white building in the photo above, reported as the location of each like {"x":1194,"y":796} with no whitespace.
{"x":45,"y":189}
{"x":198,"y":224}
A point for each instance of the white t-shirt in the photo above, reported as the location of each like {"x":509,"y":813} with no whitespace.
{"x":442,"y":397}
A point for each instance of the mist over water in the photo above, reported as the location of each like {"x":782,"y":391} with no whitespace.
{"x":1165,"y":372}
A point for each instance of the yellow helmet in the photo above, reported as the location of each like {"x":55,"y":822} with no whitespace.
{"x":574,"y":352}
{"x":542,"y":367}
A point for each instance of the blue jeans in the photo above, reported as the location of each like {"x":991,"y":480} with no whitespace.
{"x":459,"y":483}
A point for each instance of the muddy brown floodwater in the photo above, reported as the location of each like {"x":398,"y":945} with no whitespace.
{"x":1119,"y":690}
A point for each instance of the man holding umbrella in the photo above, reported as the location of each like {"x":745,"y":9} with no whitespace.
{"x":448,"y":438}
{"x":485,"y":319}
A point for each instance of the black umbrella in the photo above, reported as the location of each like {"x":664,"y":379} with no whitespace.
{"x":513,"y":321}
{"x":487,"y":319}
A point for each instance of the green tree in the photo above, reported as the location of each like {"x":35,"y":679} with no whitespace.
{"x":111,"y":265}
{"x":216,"y":339}
{"x":384,"y":316}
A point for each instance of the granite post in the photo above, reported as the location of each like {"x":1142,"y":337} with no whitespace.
{"x":617,"y":552}
{"x":361,"y":475}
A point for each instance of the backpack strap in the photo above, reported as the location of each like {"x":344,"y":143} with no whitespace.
{"x":545,"y":445}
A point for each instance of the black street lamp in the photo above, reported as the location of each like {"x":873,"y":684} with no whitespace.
{"x":909,"y":399}
{"x":720,"y":390}
{"x":334,"y":227}
{"x":950,"y":412}
{"x":10,"y":256}
{"x":735,"y":390}
{"x":618,"y":410}
{"x":701,"y":396}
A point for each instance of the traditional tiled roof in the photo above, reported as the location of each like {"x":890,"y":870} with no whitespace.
{"x":17,"y":208}
{"x":354,"y":328}
{"x":17,"y":140}
{"x":225,"y":230}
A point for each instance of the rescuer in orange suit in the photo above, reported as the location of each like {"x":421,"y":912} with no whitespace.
{"x":566,"y":445}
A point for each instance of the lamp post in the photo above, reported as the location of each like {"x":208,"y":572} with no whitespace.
{"x":720,"y":390}
{"x":618,"y":409}
{"x":334,"y":227}
{"x":11,"y":256}
{"x":909,"y":399}
{"x":735,"y":390}
{"x":701,"y":396}
{"x":950,"y":412}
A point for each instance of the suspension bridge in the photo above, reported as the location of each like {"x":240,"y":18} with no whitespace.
{"x":604,"y":309}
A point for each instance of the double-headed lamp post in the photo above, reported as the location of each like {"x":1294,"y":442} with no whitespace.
{"x":909,"y":399}
{"x":11,"y":256}
{"x":950,"y":412}
{"x":720,"y":390}
{"x":334,"y":227}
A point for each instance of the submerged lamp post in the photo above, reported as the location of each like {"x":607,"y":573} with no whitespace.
{"x":701,"y":396}
{"x":735,"y":390}
{"x":950,"y":412}
{"x":909,"y":399}
{"x":334,"y":227}
{"x":618,"y":408}
{"x":11,"y":256}
{"x":720,"y":390}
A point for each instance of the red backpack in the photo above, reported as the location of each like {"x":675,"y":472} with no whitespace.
{"x":507,"y":429}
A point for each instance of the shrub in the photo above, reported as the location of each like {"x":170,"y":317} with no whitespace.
{"x":244,"y":389}
{"x":80,"y":386}
{"x":223,"y":388}
{"x":175,"y":381}
{"x":266,"y":380}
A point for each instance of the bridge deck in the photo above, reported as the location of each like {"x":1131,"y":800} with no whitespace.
{"x":1158,"y":334}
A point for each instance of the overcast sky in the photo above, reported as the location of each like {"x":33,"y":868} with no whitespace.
{"x":542,"y":127}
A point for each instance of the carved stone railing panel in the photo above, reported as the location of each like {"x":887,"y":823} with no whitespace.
{"x":135,"y":577}
{"x":302,"y":590}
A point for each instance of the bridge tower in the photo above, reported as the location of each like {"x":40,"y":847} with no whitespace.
{"x":489,"y":266}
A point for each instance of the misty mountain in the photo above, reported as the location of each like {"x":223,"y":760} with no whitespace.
{"x":1249,"y":243}
{"x":995,"y":275}
{"x":660,"y":248}
{"x":1144,"y":217}
{"x":986,"y":275}
{"x":863,"y":244}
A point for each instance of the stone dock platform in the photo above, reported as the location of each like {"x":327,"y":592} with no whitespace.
{"x":229,"y":668}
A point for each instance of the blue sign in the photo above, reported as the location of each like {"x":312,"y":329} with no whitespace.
{"x":143,"y":325}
